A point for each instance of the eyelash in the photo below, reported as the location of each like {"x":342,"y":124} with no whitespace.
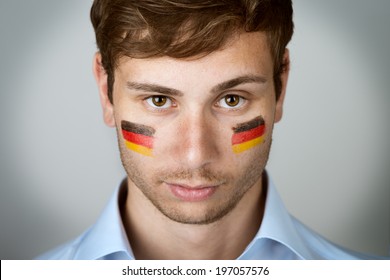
{"x":241,"y":102}
{"x":149,"y":101}
{"x":156,"y":108}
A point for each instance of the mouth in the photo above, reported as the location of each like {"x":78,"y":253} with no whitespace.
{"x":192,"y":193}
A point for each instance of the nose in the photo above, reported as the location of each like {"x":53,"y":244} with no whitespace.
{"x":196,"y":141}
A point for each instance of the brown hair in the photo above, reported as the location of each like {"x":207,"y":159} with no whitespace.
{"x":186,"y":28}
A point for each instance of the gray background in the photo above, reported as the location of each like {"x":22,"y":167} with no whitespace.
{"x":59,"y":163}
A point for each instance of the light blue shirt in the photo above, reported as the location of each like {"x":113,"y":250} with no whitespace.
{"x":280,"y":237}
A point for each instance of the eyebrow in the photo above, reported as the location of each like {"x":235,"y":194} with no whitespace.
{"x":153,"y":88}
{"x":238,"y":81}
{"x":147,"y":87}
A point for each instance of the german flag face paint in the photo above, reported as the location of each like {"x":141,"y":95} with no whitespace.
{"x":138,"y":137}
{"x":248,"y":135}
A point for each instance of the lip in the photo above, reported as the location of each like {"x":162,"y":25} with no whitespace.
{"x":192,"y":194}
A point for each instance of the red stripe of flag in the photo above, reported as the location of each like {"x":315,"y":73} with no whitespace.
{"x":146,"y":141}
{"x":245,"y":136}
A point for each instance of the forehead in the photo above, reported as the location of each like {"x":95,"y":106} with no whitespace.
{"x":245,"y":53}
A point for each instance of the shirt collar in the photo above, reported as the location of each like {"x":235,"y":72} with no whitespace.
{"x":277,"y":227}
{"x":107,"y":238}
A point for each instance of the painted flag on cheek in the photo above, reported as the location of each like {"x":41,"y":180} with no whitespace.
{"x":138,"y":138}
{"x":248,"y":135}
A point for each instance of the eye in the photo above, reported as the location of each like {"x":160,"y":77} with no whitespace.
{"x":231,"y":101}
{"x":159,"y":101}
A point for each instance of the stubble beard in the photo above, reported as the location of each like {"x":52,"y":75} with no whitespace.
{"x":253,"y":173}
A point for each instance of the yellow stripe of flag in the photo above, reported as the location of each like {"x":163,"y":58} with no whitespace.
{"x":238,"y":148}
{"x":139,"y":149}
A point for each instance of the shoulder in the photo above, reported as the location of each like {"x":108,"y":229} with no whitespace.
{"x":66,"y":251}
{"x":321,"y":248}
{"x":105,"y":239}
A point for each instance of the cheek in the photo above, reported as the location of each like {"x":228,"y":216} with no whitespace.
{"x":248,"y":135}
{"x":138,"y":138}
{"x":246,"y":140}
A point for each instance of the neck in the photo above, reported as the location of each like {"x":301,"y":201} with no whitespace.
{"x":154,"y":236}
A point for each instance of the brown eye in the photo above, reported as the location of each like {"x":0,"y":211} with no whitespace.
{"x":159,"y":101}
{"x":232,"y":100}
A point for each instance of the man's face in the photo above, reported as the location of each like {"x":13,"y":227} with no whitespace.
{"x":195,"y":134}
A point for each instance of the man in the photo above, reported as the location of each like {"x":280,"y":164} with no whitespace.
{"x":193,"y":89}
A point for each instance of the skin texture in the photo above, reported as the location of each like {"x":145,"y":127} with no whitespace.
{"x":138,"y":138}
{"x":195,"y":196}
{"x":248,"y":135}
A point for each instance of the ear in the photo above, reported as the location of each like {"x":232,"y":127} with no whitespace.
{"x":101,"y":80}
{"x":284,"y":79}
